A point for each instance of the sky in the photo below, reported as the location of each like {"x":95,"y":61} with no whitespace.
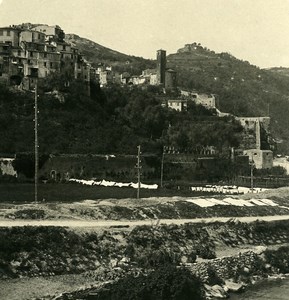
{"x":252,"y":30}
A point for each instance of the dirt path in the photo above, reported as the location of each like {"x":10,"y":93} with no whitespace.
{"x":119,"y":223}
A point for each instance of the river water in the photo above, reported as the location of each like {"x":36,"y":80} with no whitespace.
{"x":277,"y":289}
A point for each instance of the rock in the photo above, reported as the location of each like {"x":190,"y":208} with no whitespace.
{"x":113,"y":263}
{"x":233,"y":286}
{"x":184,"y":259}
{"x":260,"y":249}
{"x":267,"y":266}
{"x":215,"y":291}
{"x":125,"y":260}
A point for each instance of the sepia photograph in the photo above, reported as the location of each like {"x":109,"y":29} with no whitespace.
{"x":144,"y":152}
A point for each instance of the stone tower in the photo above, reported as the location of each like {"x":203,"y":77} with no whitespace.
{"x":161,"y":66}
{"x":258,"y":135}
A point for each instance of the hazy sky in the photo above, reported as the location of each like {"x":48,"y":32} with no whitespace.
{"x":253,"y":30}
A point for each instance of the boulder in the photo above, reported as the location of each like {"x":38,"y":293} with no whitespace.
{"x":232,"y":286}
{"x":215,"y":291}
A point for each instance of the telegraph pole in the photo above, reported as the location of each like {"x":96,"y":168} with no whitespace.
{"x":138,"y":166}
{"x":252,"y":176}
{"x":162,"y":167}
{"x":36,"y":143}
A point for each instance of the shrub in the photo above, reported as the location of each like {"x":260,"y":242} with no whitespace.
{"x":166,"y":283}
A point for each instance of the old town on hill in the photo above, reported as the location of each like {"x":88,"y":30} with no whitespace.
{"x":39,"y":54}
{"x":130,"y":178}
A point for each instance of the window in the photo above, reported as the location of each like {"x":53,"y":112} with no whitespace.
{"x":1,"y":32}
{"x":51,"y":65}
{"x":8,"y":32}
{"x":45,"y":64}
{"x":31,"y":54}
{"x":45,"y":55}
{"x":19,"y":52}
{"x":64,"y":47}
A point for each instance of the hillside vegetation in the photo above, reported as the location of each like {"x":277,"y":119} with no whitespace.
{"x":97,"y":54}
{"x":241,"y":88}
{"x":116,"y":119}
{"x":112,"y":120}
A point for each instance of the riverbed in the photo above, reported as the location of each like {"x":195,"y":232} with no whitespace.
{"x":269,"y":289}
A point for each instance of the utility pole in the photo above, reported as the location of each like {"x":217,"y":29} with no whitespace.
{"x":138,"y":166}
{"x":162,"y":166}
{"x":252,"y":175}
{"x":36,"y":142}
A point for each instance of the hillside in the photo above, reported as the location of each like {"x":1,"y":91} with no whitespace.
{"x":97,"y":54}
{"x":280,"y":70}
{"x":241,"y":88}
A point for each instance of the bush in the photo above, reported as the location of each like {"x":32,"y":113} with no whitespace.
{"x":166,"y":283}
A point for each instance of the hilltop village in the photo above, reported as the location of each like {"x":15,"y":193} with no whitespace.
{"x":31,"y":53}
{"x":130,"y":155}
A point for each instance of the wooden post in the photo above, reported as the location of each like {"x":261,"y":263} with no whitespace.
{"x":252,"y":176}
{"x":36,"y":143}
{"x":162,"y":167}
{"x":138,"y":171}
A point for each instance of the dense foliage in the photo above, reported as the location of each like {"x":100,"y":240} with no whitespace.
{"x":166,"y":283}
{"x":241,"y":89}
{"x":111,"y":120}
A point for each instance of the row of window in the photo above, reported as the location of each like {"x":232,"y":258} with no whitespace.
{"x":4,"y":31}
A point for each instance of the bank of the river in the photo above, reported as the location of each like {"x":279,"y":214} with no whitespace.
{"x":267,"y":289}
{"x":39,"y":256}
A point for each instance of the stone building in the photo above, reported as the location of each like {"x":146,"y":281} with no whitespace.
{"x":51,"y":32}
{"x":207,"y":100}
{"x":30,"y":52}
{"x":9,"y":35}
{"x":6,"y":167}
{"x":177,"y":104}
{"x":262,"y":159}
{"x":250,"y":122}
{"x":171,"y":79}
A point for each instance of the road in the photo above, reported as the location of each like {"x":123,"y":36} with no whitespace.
{"x":116,"y":223}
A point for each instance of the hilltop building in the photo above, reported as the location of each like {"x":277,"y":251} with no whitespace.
{"x":30,"y":52}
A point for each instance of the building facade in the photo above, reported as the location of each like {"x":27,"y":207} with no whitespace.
{"x":262,"y":159}
{"x":31,"y":52}
{"x":177,"y":104}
